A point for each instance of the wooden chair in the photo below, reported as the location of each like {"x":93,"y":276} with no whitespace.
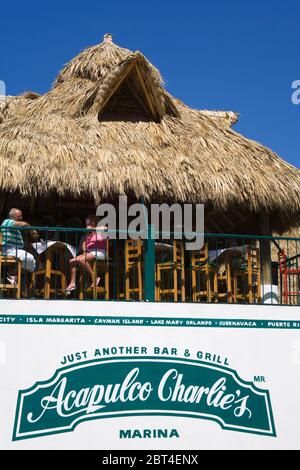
{"x":7,"y":262}
{"x":100,"y":269}
{"x":247,"y":278}
{"x":289,"y":270}
{"x":129,"y":276}
{"x":133,"y":269}
{"x":204,"y":276}
{"x":170,"y":276}
{"x":224,"y":290}
{"x":50,"y":280}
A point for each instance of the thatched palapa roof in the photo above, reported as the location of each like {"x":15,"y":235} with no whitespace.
{"x":109,"y":127}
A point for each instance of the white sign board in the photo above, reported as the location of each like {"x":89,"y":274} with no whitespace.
{"x":135,"y":375}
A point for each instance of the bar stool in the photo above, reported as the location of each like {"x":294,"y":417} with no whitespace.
{"x":100,"y":269}
{"x":50,"y":280}
{"x":224,"y":279}
{"x":204,"y":276}
{"x":129,"y":277}
{"x":5,"y":263}
{"x":247,"y":278}
{"x":170,"y":275}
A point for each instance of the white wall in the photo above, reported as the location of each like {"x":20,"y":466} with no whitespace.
{"x":263,"y":341}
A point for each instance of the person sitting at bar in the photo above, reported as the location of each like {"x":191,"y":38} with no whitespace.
{"x":93,"y":248}
{"x":12,"y":241}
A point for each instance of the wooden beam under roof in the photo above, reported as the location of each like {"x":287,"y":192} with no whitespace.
{"x":148,"y":96}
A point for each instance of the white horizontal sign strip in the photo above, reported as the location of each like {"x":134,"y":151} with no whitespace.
{"x":137,"y":309}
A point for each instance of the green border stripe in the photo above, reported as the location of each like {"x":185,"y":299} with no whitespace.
{"x":148,"y":321}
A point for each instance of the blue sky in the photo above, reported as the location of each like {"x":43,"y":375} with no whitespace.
{"x":218,"y":54}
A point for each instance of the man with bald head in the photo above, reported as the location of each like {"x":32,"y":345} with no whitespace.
{"x":12,"y":241}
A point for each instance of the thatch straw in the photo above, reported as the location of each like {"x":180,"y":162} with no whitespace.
{"x":108,"y":127}
{"x":225,"y":118}
{"x":291,"y":245}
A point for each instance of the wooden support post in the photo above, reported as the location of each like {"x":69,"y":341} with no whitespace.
{"x":149,"y":260}
{"x":3,"y":200}
{"x":265,"y":251}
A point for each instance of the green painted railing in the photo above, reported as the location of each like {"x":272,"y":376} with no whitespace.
{"x":228,"y":268}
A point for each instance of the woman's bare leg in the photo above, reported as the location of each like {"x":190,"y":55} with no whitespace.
{"x":73,"y":268}
{"x":83,"y":261}
{"x":85,"y":265}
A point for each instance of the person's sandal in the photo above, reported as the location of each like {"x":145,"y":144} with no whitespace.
{"x":97,"y":283}
{"x":12,"y":280}
{"x":70,"y":290}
